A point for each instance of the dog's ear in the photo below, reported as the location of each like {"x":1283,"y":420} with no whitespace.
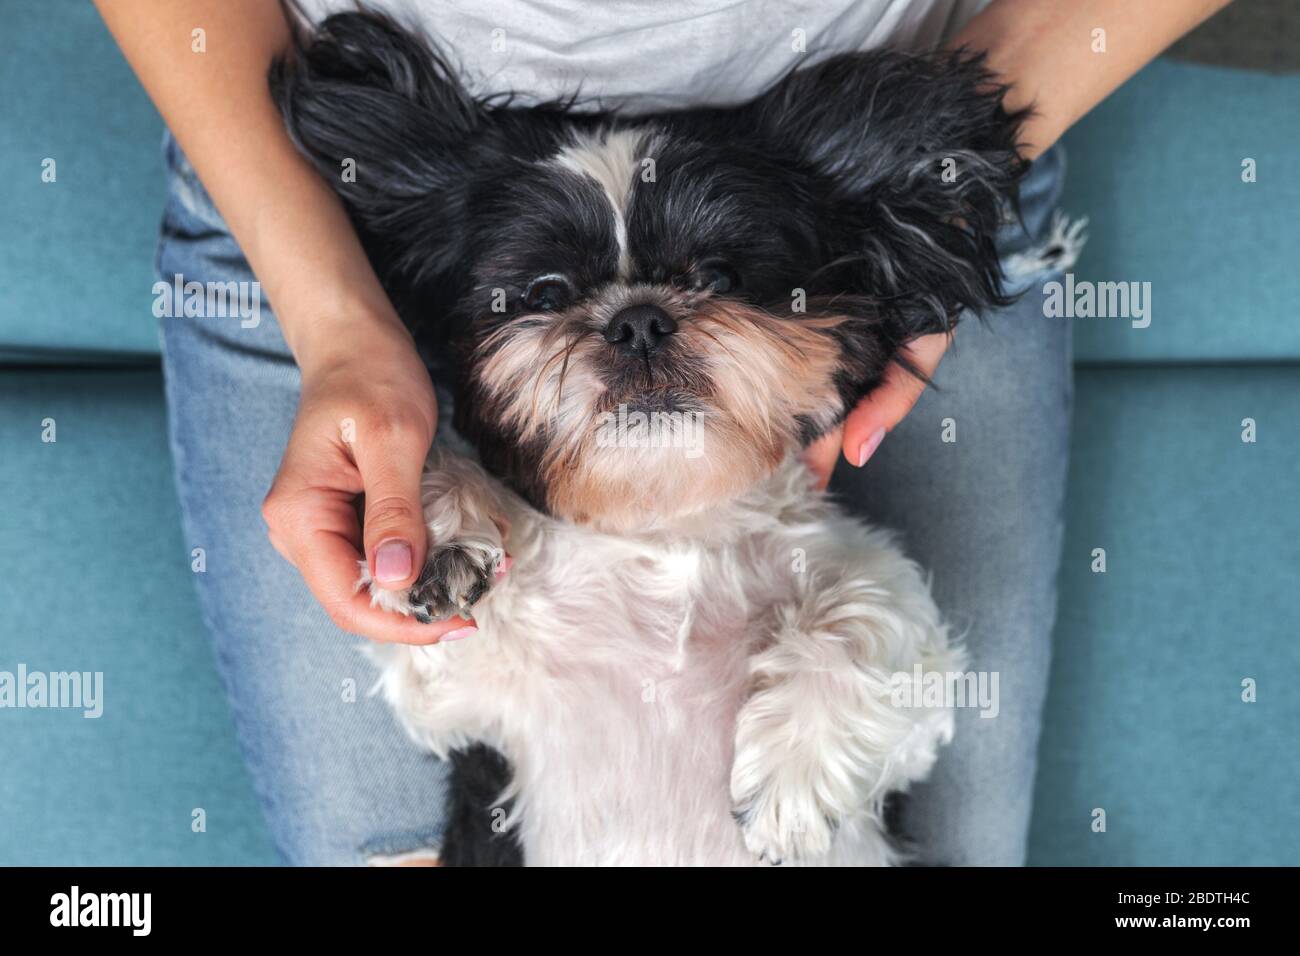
{"x":913,"y":163}
{"x":384,"y":119}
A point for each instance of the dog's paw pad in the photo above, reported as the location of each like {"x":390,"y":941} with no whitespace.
{"x":454,"y":578}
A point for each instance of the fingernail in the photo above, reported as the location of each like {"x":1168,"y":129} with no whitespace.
{"x":392,"y":561}
{"x":870,"y":445}
{"x":457,"y":634}
{"x":507,"y":563}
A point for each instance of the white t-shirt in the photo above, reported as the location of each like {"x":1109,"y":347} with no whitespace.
{"x":641,"y":55}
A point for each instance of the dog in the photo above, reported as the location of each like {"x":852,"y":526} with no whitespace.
{"x":694,"y":656}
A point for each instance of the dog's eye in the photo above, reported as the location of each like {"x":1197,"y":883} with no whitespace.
{"x":715,"y":276}
{"x":547,"y":293}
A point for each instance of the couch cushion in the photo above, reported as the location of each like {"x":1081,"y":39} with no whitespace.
{"x":1157,"y":168}
{"x":96,"y":578}
{"x":76,"y":255}
{"x":1145,"y":718}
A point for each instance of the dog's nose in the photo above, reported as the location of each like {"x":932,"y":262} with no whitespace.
{"x":640,"y":329}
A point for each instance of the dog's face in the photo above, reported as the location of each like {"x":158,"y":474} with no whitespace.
{"x":636,"y":352}
{"x":649,"y":315}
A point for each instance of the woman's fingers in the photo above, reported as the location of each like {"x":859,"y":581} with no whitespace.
{"x":316,"y":530}
{"x":390,"y":458}
{"x":325,"y":568}
{"x":820,"y":456}
{"x":876,"y":415}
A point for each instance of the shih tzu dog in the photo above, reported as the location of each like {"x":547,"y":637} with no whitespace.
{"x":694,"y":658}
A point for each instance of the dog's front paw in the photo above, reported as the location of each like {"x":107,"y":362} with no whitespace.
{"x":455,"y":577}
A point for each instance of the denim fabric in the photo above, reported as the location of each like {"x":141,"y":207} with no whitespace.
{"x":984,"y":513}
{"x":337,"y":779}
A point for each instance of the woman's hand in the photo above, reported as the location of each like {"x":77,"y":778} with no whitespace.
{"x":367,"y":413}
{"x":1053,"y":55}
{"x":365,"y":422}
{"x":877,"y":414}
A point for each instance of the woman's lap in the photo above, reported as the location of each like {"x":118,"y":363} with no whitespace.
{"x":974,"y":480}
{"x":338,"y":780}
{"x":983,"y":514}
{"x":336,"y":777}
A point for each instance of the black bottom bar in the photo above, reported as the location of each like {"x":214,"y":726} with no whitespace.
{"x":398,"y":907}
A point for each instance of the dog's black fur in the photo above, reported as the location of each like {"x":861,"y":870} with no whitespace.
{"x":829,"y":182}
{"x":475,"y":817}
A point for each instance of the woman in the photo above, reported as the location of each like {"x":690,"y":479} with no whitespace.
{"x":973,"y":476}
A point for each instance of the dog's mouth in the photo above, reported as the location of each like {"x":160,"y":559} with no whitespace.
{"x":632,"y":434}
{"x":667,"y":400}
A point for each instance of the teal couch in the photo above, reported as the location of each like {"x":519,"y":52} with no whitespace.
{"x":1145,"y":719}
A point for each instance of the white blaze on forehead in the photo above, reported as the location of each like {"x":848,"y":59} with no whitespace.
{"x":611,"y":158}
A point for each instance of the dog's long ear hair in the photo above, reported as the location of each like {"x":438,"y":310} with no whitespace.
{"x":914,"y":164}
{"x":382,"y":116}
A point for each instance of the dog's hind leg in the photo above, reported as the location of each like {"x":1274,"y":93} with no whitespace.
{"x":822,"y":736}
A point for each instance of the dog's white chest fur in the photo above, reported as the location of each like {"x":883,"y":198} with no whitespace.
{"x":623,"y":715}
{"x":720,"y":697}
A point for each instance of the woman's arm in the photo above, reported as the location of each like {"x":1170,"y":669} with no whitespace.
{"x":1044,"y":49}
{"x":327,"y":299}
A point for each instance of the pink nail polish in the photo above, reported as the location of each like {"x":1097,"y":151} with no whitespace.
{"x":392,"y":561}
{"x":457,"y":634}
{"x":870,"y":445}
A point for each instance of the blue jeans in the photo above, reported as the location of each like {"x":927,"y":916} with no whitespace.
{"x":337,"y":779}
